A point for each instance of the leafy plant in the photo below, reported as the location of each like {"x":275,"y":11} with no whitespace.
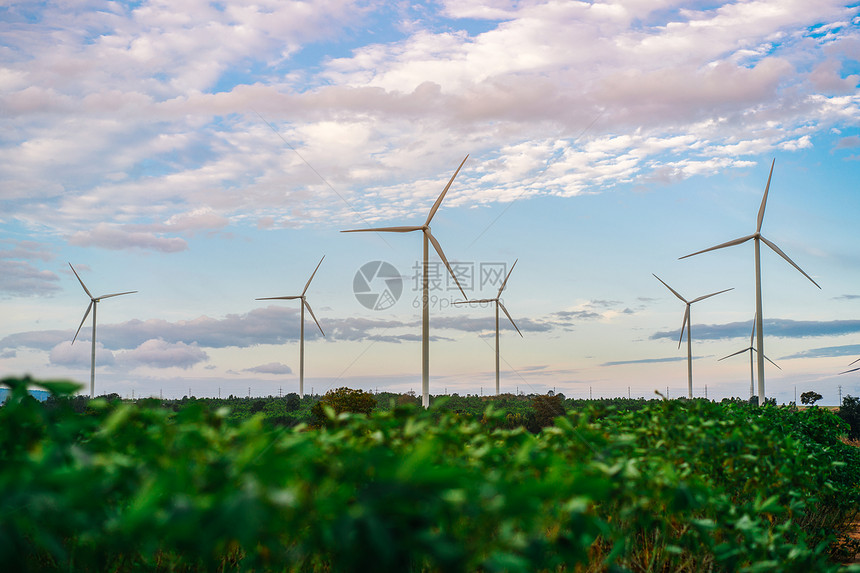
{"x":640,"y":486}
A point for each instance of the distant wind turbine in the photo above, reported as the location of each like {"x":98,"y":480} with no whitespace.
{"x":94,"y":301}
{"x":499,"y":305}
{"x":751,"y":350}
{"x":302,"y":325}
{"x":687,"y":321}
{"x":425,"y":321}
{"x":758,"y":238}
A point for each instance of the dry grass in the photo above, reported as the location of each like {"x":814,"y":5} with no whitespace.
{"x":855,"y":443}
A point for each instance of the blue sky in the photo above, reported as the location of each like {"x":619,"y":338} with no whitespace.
{"x":208,"y":153}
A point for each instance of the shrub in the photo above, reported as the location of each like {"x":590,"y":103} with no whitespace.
{"x":343,"y":400}
{"x":850,"y":413}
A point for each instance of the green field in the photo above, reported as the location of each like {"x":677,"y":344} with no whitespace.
{"x":629,"y":485}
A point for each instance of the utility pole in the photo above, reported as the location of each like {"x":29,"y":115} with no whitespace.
{"x":706,"y":391}
{"x":589,"y":392}
{"x":628,"y":392}
{"x":840,"y":395}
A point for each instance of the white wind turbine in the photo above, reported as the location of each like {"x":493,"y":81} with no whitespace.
{"x":302,"y":326}
{"x":751,"y":350}
{"x":499,"y":305}
{"x":758,"y":238}
{"x":425,"y":321}
{"x":687,"y":321}
{"x":94,"y":301}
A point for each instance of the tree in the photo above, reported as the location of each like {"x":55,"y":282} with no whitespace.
{"x":292,"y":402}
{"x":343,"y":400}
{"x":546,"y":409}
{"x":810,"y":397}
{"x":850,"y":412}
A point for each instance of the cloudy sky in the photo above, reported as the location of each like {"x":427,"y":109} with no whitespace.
{"x":208,"y":153}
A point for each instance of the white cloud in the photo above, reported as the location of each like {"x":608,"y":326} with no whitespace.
{"x":113,"y":116}
{"x":80,"y":355}
{"x":270,"y":368}
{"x":110,"y":237}
{"x":20,"y":278}
{"x":157,"y":353}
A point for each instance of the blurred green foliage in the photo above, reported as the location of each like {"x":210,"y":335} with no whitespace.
{"x":663,"y":486}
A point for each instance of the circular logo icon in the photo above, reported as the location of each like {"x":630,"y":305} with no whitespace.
{"x":377,"y":285}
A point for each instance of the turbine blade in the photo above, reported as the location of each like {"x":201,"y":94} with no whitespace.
{"x":723,"y":245}
{"x":312,"y":316}
{"x":475,"y":301}
{"x":772,"y":362}
{"x":312,"y":276}
{"x":104,"y":296}
{"x":752,"y":334}
{"x":710,"y":295}
{"x":504,"y":282}
{"x":385,"y":230}
{"x":86,"y":290}
{"x":670,"y":288}
{"x":438,"y":248}
{"x":683,"y":324}
{"x":735,"y":353}
{"x":442,"y":195}
{"x":779,"y":252}
{"x":280,"y":297}
{"x":764,"y":199}
{"x":855,"y":362}
{"x":852,"y":370}
{"x":86,"y":314}
{"x":509,"y":317}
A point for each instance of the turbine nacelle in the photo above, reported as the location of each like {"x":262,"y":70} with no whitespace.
{"x":93,"y":301}
{"x":425,"y":228}
{"x":689,"y":303}
{"x":302,"y":296}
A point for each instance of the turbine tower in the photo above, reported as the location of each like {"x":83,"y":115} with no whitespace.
{"x":425,"y":319}
{"x":758,"y":238}
{"x":94,"y":301}
{"x":751,"y":350}
{"x":499,"y":305}
{"x":687,"y":321}
{"x":302,"y":325}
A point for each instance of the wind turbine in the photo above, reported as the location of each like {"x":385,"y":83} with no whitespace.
{"x":425,"y":320}
{"x":302,"y":325}
{"x":499,"y":305}
{"x":94,"y":301}
{"x":751,"y":350}
{"x":687,"y":321}
{"x":758,"y":238}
